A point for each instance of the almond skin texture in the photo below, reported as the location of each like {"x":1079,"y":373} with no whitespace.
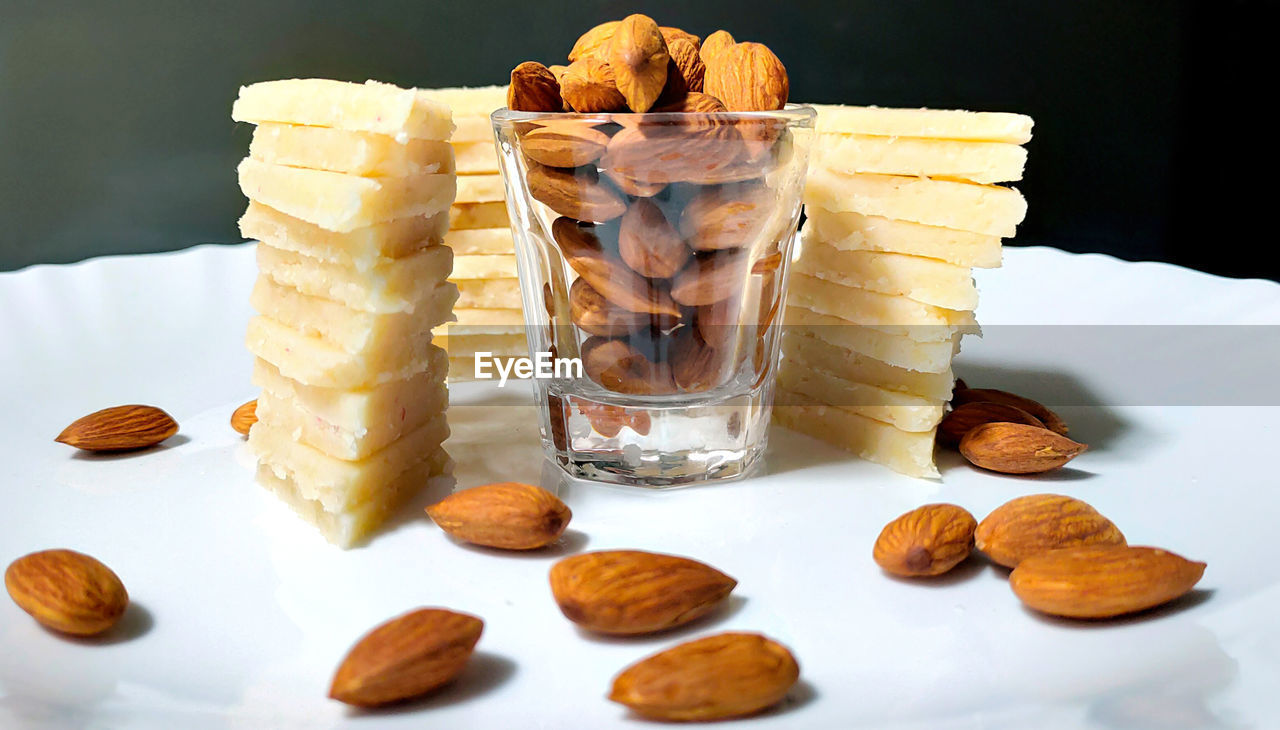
{"x":1103,"y":581}
{"x":589,"y":86}
{"x":965,"y":418}
{"x":715,"y":44}
{"x":533,"y":89}
{"x":649,"y":244}
{"x":714,"y":678}
{"x":747,"y":77}
{"x":406,"y":657}
{"x":122,"y":428}
{"x":670,"y":34}
{"x":720,"y":218}
{"x":710,"y":278}
{"x":595,"y":42}
{"x":638,"y":56}
{"x":595,"y":315}
{"x":628,"y":592}
{"x":1016,"y":448}
{"x":618,"y":366}
{"x":608,"y":274}
{"x":67,"y":591}
{"x":1035,"y":524}
{"x":564,"y":143}
{"x":243,"y":418}
{"x":926,"y":541}
{"x":684,"y":74}
{"x":506,"y":515}
{"x":576,"y":193}
{"x":1050,"y":419}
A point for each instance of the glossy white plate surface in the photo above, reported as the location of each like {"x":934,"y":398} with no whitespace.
{"x":241,"y":612}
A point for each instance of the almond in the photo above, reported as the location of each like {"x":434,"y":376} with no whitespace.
{"x":649,"y":244}
{"x":67,"y":591}
{"x":1103,"y":581}
{"x":695,"y":365}
{"x":608,"y":420}
{"x":970,"y":415}
{"x":594,"y":314}
{"x":576,"y":193}
{"x":627,"y":592}
{"x":621,"y":368}
{"x":533,"y":89}
{"x":633,"y":187}
{"x":1038,"y":523}
{"x":715,"y":44}
{"x":595,"y":42}
{"x":564,"y":143}
{"x":243,"y":418}
{"x":710,"y":278}
{"x":406,"y":657}
{"x":693,"y":102}
{"x":713,"y":678}
{"x":1016,"y":448}
{"x":747,"y":77}
{"x":589,"y":86}
{"x":121,"y":428}
{"x":697,"y":150}
{"x":670,"y":34}
{"x":1050,"y":419}
{"x":684,"y":74}
{"x":926,"y":541}
{"x":608,"y":274}
{"x":726,"y":217}
{"x":506,"y":515}
{"x":638,"y":56}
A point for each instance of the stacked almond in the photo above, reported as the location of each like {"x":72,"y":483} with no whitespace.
{"x":489,"y":317}
{"x":901,"y":205}
{"x":349,"y":187}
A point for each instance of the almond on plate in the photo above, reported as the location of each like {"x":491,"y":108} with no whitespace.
{"x":120,"y":428}
{"x":1038,"y":523}
{"x":926,"y":541}
{"x":1103,"y":581}
{"x":1018,"y":448}
{"x":507,"y":515}
{"x":67,"y":591}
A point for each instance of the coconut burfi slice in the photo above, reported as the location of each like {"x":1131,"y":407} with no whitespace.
{"x":369,"y":107}
{"x":906,"y":452}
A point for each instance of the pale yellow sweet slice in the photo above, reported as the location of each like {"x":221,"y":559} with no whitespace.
{"x":350,"y":527}
{"x":800,"y":346}
{"x":353,"y":153}
{"x":928,"y":123}
{"x":987,"y":209}
{"x":856,"y":232}
{"x":488,"y":317}
{"x":480,"y":189}
{"x":368,"y":107}
{"x":923,"y":280}
{"x":468,"y":216}
{"x":489,"y":294}
{"x":463,"y":368}
{"x":370,"y":417}
{"x":467,"y":345}
{"x":316,"y":361}
{"x":340,"y":443}
{"x":980,"y":162}
{"x":891,"y":314}
{"x":343,"y":203}
{"x":478,"y":241}
{"x":476,"y":158}
{"x":905,"y":452}
{"x":472,"y":129}
{"x":394,"y":286}
{"x":902,"y":410}
{"x":932,"y":356}
{"x":470,"y":101}
{"x":483,"y":266}
{"x":350,"y":329}
{"x":361,"y":249}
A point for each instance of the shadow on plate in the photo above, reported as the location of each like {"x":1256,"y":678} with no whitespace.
{"x":1174,"y":607}
{"x":969,"y":569}
{"x":802,"y":694}
{"x":725,"y":611}
{"x":137,"y":621}
{"x":485,"y":672}
{"x":572,"y":541}
{"x":172,"y":442}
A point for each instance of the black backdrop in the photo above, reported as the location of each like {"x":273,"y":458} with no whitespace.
{"x":115,"y":133}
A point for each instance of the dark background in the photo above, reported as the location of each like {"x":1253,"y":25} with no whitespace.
{"x":116,"y":137}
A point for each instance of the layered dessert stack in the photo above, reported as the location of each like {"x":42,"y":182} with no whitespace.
{"x":488,"y":316}
{"x":349,"y":187}
{"x":901,"y":204}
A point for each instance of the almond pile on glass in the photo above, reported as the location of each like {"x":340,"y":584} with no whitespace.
{"x":656,"y":193}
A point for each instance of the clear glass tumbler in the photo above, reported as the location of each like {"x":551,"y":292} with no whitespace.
{"x":653,"y":252}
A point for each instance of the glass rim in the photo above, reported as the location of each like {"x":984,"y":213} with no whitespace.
{"x":793,"y":114}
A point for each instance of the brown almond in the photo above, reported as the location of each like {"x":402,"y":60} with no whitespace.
{"x":507,"y":515}
{"x":67,"y":591}
{"x":120,"y":428}
{"x":971,"y":415}
{"x":621,"y":368}
{"x":1016,"y":448}
{"x":406,"y":657}
{"x":558,"y":71}
{"x":594,"y":314}
{"x":713,"y":678}
{"x":728,"y":217}
{"x":608,"y":420}
{"x":608,"y":274}
{"x":243,"y":418}
{"x":633,"y":187}
{"x":589,"y":86}
{"x":595,"y":42}
{"x":715,"y":44}
{"x":576,"y":193}
{"x":695,"y":365}
{"x":1050,"y":419}
{"x":1103,"y":581}
{"x":926,"y":541}
{"x":533,"y":89}
{"x":638,"y":56}
{"x":747,"y":77}
{"x":684,"y":74}
{"x":649,"y":244}
{"x":564,"y":143}
{"x":670,"y":34}
{"x":710,"y":278}
{"x":694,"y":102}
{"x":1038,"y":523}
{"x":628,"y":592}
{"x":696,"y":151}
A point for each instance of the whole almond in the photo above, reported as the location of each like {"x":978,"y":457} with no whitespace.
{"x":670,"y":34}
{"x":594,"y":314}
{"x":971,"y":415}
{"x":710,"y":278}
{"x":589,"y":86}
{"x":1016,"y":448}
{"x":684,"y":74}
{"x":1038,"y":523}
{"x":747,"y":77}
{"x":638,"y":56}
{"x":576,"y":193}
{"x":926,"y":541}
{"x":564,"y":143}
{"x":697,"y":150}
{"x":649,"y":244}
{"x":1103,"y":581}
{"x":533,"y":89}
{"x":243,"y":418}
{"x":595,"y":42}
{"x":695,"y":365}
{"x":633,"y":187}
{"x":621,"y":368}
{"x":1050,"y":419}
{"x":67,"y":591}
{"x":715,"y":44}
{"x":121,"y":428}
{"x":726,"y":217}
{"x":507,"y":515}
{"x":608,"y":274}
{"x":713,"y":678}
{"x":627,"y":592}
{"x":406,"y":657}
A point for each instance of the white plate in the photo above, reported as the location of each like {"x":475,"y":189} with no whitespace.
{"x":241,"y":612}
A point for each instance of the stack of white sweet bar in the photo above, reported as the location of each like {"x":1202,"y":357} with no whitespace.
{"x":349,"y":188}
{"x":901,"y":204}
{"x":488,"y":316}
